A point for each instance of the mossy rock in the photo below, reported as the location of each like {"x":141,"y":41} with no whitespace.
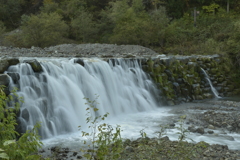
{"x":3,"y":65}
{"x":213,"y":71}
{"x":13,"y":61}
{"x":36,"y":66}
{"x":158,"y":68}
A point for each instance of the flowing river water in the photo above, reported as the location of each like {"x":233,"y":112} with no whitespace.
{"x":56,"y":98}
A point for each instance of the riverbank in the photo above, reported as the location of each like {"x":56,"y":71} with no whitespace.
{"x":199,"y":119}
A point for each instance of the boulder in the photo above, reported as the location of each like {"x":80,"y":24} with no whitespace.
{"x":211,"y":126}
{"x":15,"y":76}
{"x":200,"y":130}
{"x":36,"y":66}
{"x":192,"y":129}
{"x":4,"y":79}
{"x":79,"y":61}
{"x":25,"y":114}
{"x":3,"y":65}
{"x":13,"y":61}
{"x":170,"y":103}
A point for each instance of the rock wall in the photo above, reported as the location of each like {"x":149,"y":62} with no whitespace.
{"x":181,"y":79}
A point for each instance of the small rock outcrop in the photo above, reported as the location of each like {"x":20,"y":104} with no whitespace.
{"x":4,"y":81}
{"x":15,"y":76}
{"x":36,"y":66}
{"x":79,"y":61}
{"x":3,"y":65}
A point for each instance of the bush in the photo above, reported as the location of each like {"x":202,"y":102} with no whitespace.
{"x":10,"y":148}
{"x":43,"y":30}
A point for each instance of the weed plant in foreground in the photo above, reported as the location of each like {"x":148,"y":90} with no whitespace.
{"x":105,"y":142}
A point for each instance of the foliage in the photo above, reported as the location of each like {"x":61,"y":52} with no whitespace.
{"x":43,"y":30}
{"x":131,"y":23}
{"x":104,"y":142}
{"x":10,"y":148}
{"x":9,"y":12}
{"x":83,"y":27}
{"x":211,"y":8}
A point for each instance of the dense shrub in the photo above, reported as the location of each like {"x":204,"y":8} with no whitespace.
{"x":43,"y":30}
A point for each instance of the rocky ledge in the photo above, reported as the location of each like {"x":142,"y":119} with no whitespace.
{"x":79,"y":50}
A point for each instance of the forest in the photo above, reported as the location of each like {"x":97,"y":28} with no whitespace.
{"x":168,"y":26}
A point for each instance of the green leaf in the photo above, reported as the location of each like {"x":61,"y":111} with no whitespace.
{"x":4,"y":156}
{"x":8,"y":142}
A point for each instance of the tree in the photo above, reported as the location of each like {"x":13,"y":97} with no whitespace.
{"x":10,"y":12}
{"x":157,"y":26}
{"x":83,"y":27}
{"x":43,"y":30}
{"x":2,"y":28}
{"x":130,"y":22}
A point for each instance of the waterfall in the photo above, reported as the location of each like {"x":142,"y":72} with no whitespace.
{"x":55,"y":97}
{"x":214,"y":91}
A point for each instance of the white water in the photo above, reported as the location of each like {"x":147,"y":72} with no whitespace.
{"x":149,"y":121}
{"x":55,"y":97}
{"x":214,"y":91}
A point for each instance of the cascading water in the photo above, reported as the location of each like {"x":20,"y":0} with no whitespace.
{"x":55,"y":97}
{"x":215,"y":92}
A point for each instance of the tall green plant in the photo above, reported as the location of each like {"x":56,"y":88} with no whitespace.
{"x":104,"y":143}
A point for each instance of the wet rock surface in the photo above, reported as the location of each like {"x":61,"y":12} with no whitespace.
{"x":222,"y":115}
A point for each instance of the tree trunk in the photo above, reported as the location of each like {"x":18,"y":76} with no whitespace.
{"x":227,"y":6}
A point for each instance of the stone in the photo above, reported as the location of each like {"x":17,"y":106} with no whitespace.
{"x":4,"y":79}
{"x":176,"y":87}
{"x":172,"y":125}
{"x":79,"y":61}
{"x":170,"y":103}
{"x":129,"y":149}
{"x":36,"y":66}
{"x":224,"y":124}
{"x":200,"y":130}
{"x":211,"y":126}
{"x":199,"y":97}
{"x":15,"y":76}
{"x":13,"y":61}
{"x":210,"y":132}
{"x":3,"y":65}
{"x":192,"y":129}
{"x":25,"y":114}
